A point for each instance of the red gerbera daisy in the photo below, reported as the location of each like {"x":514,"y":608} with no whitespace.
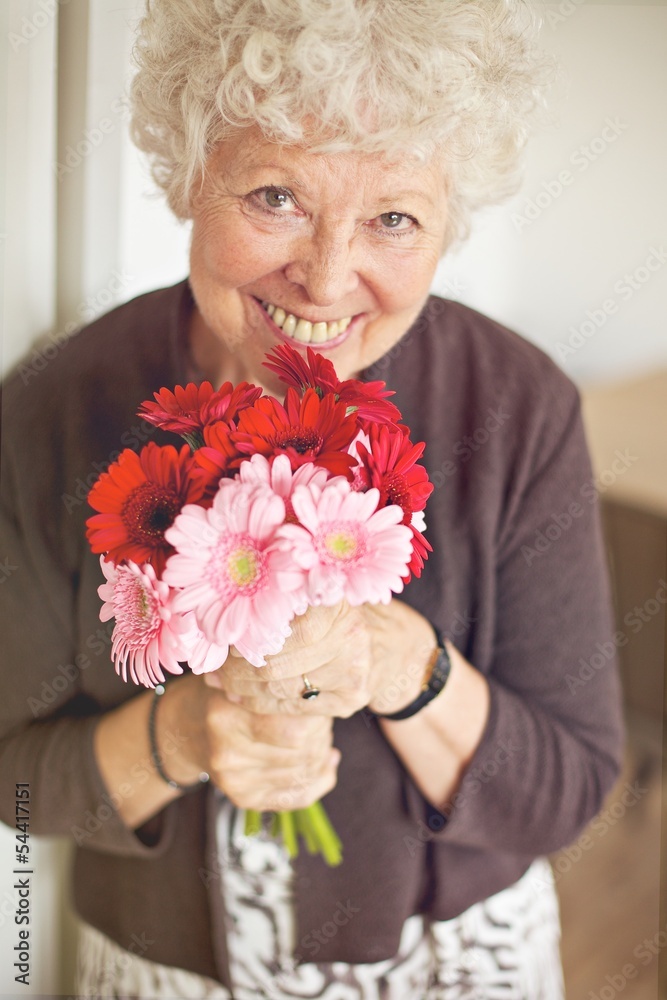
{"x":229,"y":400}
{"x":420,"y":551}
{"x":306,"y":430}
{"x":218,"y":457}
{"x":138,"y":498}
{"x":188,"y":410}
{"x":369,"y":399}
{"x":292,"y":369}
{"x":178,"y":411}
{"x":391,"y":466}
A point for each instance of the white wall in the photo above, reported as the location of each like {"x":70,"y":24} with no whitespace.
{"x":27,"y":270}
{"x":27,"y":121}
{"x":550,"y":258}
{"x":540,"y":275}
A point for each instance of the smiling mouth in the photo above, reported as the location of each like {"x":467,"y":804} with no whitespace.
{"x":302,"y":330}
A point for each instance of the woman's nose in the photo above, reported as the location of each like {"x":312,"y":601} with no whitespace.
{"x":325,"y":266}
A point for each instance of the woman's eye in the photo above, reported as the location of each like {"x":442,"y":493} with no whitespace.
{"x":392,"y":220}
{"x":273,"y":199}
{"x":395,"y":222}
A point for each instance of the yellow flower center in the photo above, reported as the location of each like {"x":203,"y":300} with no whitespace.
{"x":341,"y":545}
{"x":145,"y":609}
{"x":242,"y":566}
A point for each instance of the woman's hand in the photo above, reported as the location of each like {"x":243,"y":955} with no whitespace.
{"x":262,"y":762}
{"x":374,"y":655}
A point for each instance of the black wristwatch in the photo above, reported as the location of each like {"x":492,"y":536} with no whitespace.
{"x":434,"y":682}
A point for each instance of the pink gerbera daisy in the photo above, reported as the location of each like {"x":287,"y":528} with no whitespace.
{"x":148,"y":634}
{"x":232,"y":571}
{"x":277,"y":473}
{"x":349,"y":548}
{"x":205,"y":656}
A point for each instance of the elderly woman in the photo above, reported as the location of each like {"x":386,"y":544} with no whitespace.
{"x":327,"y":154}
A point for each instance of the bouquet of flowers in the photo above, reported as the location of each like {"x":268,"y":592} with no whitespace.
{"x":268,"y":508}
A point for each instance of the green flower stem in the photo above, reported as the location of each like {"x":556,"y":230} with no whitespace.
{"x":327,"y":838}
{"x":305,"y":829}
{"x":288,"y":831}
{"x":253,"y":822}
{"x":312,"y":824}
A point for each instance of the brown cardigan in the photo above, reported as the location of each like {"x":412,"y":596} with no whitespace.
{"x":516,"y":579}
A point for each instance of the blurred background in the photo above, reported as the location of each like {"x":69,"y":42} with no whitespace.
{"x":577,"y":263}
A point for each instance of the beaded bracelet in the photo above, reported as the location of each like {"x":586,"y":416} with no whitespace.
{"x":155,"y":753}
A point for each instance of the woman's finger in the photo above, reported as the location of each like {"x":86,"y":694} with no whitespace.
{"x":278,"y":790}
{"x":289,"y":687}
{"x":347,"y":682}
{"x":277,"y":668}
{"x":312,"y":627}
{"x":278,"y":759}
{"x":318,"y":637}
{"x":327,"y":704}
{"x":233,"y":722}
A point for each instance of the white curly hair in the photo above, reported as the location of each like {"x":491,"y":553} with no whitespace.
{"x":458,"y":79}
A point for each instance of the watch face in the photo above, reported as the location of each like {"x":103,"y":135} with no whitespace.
{"x":436,"y":682}
{"x":440,"y":671}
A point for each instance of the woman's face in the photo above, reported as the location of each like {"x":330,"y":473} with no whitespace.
{"x":346,"y":245}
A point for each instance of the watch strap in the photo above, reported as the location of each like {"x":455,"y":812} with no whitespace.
{"x":432,"y":685}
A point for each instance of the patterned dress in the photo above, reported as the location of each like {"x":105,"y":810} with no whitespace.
{"x":503,"y":948}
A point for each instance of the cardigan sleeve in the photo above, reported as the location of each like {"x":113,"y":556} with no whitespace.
{"x":552,"y":746}
{"x":47,"y":722}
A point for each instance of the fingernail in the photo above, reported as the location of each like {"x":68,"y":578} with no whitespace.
{"x":234,"y":698}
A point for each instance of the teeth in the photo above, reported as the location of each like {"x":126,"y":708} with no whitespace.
{"x":303,"y":330}
{"x":289,"y":325}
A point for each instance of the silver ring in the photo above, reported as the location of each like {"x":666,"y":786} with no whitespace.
{"x":310,"y":691}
